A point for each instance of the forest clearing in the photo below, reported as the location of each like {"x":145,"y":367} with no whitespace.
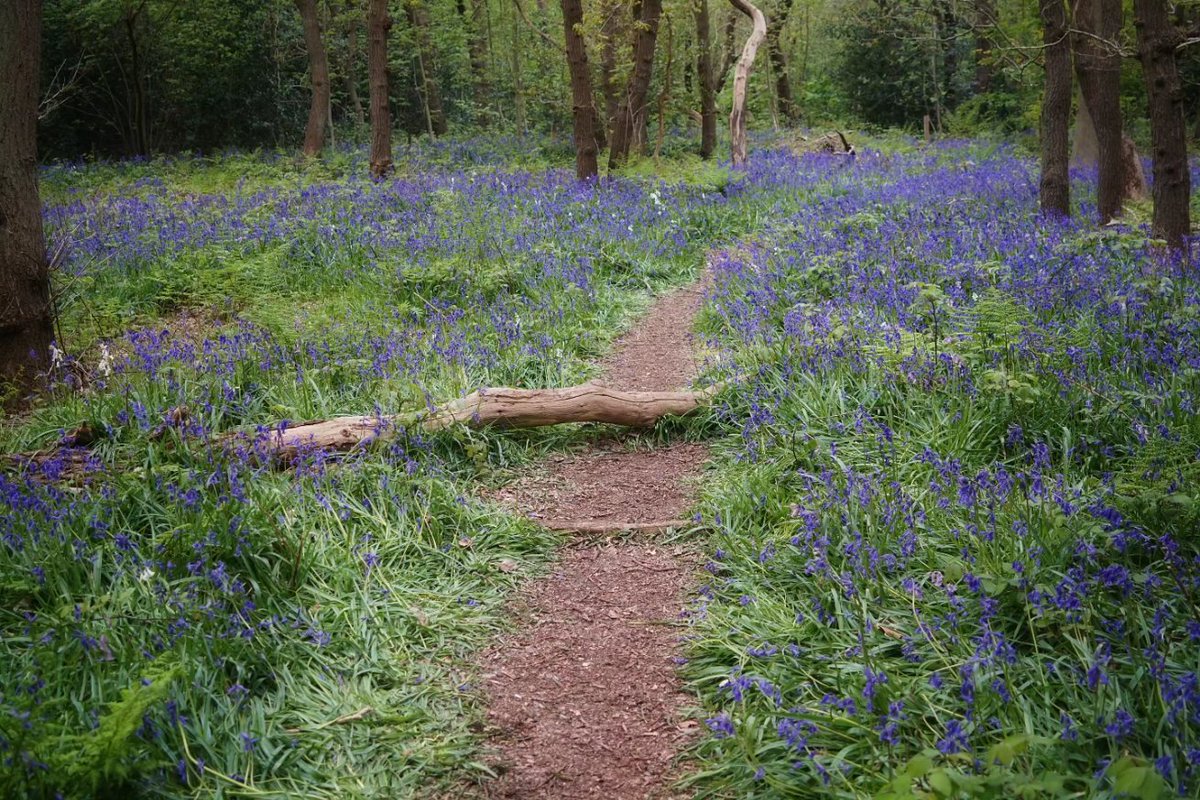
{"x":851,"y":462}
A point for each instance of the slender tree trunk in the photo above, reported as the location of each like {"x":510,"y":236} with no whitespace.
{"x":728,"y":50}
{"x":985,"y":23}
{"x":318,"y":68}
{"x":477,"y":46}
{"x":947,"y":23}
{"x":1157,"y":43}
{"x":431,"y":93}
{"x":783,"y":86}
{"x":611,"y":30}
{"x":1055,"y":190}
{"x":139,"y":104}
{"x":1085,"y":150}
{"x":26,"y":320}
{"x":352,"y":25}
{"x":741,"y":79}
{"x":631,"y":116}
{"x":378,"y":25}
{"x":664,"y":96}
{"x":1098,"y":66}
{"x":708,"y":97}
{"x":583,"y":110}
{"x":518,"y":79}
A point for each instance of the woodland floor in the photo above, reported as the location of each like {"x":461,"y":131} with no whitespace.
{"x":583,"y":695}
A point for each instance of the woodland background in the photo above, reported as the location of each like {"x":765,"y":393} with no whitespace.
{"x":128,"y":78}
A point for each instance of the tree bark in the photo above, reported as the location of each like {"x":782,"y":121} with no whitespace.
{"x":704,"y":70}
{"x":631,"y":115}
{"x":611,"y":30}
{"x":1134,"y":186}
{"x":664,"y":96}
{"x":985,"y":22}
{"x":1055,"y":188}
{"x":500,"y":407}
{"x":728,"y":50}
{"x":352,"y":24}
{"x":477,"y":48}
{"x":26,"y":318}
{"x":741,"y":79}
{"x":1098,"y":66}
{"x":1157,"y":43}
{"x":1085,"y":151}
{"x":431,"y":93}
{"x":583,"y":110}
{"x":318,"y":68}
{"x":783,"y":85}
{"x":378,"y":25}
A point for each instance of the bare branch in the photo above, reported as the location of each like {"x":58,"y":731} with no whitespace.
{"x":60,"y":88}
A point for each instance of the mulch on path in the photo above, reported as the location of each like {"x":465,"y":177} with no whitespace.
{"x":609,"y":483}
{"x":584,"y":696}
{"x":586,"y":692}
{"x":657,"y":353}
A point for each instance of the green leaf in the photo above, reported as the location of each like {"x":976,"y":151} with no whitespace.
{"x":918,"y":766}
{"x":940,"y":782}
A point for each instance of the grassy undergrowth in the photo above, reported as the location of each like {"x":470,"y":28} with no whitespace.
{"x":956,"y":547}
{"x":179,"y":618}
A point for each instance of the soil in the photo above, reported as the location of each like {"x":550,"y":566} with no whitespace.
{"x":583,"y":696}
{"x":657,"y":354}
{"x":609,"y":482}
{"x":586,"y":693}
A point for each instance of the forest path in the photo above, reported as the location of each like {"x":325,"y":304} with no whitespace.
{"x":583,"y":694}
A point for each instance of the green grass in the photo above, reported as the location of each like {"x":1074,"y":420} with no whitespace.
{"x":266,"y":606}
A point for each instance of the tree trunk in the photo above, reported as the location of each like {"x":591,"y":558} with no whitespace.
{"x":783,"y":86}
{"x":947,"y":95}
{"x":378,"y":25}
{"x":583,"y":110}
{"x":664,"y":96}
{"x":139,"y":105}
{"x":518,"y":80}
{"x":708,"y":95}
{"x":1133,"y":186}
{"x":1098,"y":65}
{"x":318,"y":67}
{"x":728,"y":50}
{"x":1085,"y":151}
{"x":352,"y":24}
{"x":1157,"y":43}
{"x":631,"y":115}
{"x":985,"y":22}
{"x":611,"y":31}
{"x":26,"y":321}
{"x":741,"y":79}
{"x":431,"y":93}
{"x":477,"y":47}
{"x":1055,"y":189}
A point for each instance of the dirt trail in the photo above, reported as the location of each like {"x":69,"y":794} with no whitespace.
{"x":584,"y":695}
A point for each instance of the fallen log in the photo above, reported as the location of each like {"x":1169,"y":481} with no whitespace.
{"x":590,"y":402}
{"x":499,"y":407}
